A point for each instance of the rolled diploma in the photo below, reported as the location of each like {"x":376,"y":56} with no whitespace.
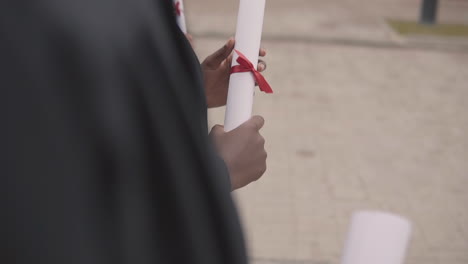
{"x":181,"y":18}
{"x":241,"y":85}
{"x":377,"y":238}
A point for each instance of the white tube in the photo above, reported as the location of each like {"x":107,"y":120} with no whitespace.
{"x":241,"y":85}
{"x":180,"y":17}
{"x":377,"y":238}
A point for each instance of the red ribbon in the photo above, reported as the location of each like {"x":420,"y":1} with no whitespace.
{"x":246,"y":66}
{"x":177,"y":9}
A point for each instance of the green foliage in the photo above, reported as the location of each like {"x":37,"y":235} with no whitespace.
{"x":414,"y":28}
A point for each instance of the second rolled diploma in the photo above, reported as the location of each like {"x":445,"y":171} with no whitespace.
{"x":242,"y":85}
{"x":377,"y":238}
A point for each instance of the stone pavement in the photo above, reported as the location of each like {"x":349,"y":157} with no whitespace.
{"x":352,"y":125}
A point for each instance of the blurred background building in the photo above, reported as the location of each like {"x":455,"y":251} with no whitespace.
{"x":367,"y":114}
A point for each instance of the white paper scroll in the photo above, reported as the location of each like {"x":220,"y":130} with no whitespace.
{"x":377,"y":238}
{"x":241,"y":85}
{"x":180,"y":15}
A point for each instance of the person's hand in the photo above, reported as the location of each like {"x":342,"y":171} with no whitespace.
{"x":243,"y":151}
{"x":216,"y":71}
{"x":190,"y":39}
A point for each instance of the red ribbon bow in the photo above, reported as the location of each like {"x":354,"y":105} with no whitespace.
{"x":177,"y":9}
{"x":246,"y":66}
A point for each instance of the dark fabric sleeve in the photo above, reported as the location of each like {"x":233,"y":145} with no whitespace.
{"x":104,"y":152}
{"x":223,"y":172}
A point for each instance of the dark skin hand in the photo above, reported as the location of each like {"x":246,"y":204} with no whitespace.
{"x":243,"y":151}
{"x":216,"y":71}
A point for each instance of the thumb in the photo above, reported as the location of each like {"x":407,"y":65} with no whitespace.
{"x":215,"y":59}
{"x":217,"y":130}
{"x":257,"y":122}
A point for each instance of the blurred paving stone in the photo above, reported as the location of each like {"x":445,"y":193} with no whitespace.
{"x":353,"y":127}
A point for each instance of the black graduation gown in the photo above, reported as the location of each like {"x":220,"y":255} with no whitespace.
{"x":104,"y":152}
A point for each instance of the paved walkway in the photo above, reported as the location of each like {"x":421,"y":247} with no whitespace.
{"x":352,"y":126}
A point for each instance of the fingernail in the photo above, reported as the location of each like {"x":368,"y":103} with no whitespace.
{"x":261,"y":66}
